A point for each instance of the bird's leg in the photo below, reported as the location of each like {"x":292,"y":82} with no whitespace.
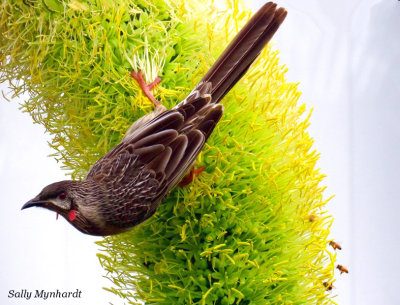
{"x":146,"y":88}
{"x":188,"y":178}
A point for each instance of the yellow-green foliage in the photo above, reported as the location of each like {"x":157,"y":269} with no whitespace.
{"x":252,"y":228}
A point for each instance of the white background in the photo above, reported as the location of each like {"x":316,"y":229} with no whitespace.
{"x":346,"y":54}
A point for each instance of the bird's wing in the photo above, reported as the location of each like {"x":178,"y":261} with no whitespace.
{"x":162,"y":149}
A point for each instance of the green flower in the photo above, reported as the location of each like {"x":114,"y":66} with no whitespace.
{"x":252,"y":228}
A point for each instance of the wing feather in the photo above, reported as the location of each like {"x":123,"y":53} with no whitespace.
{"x":168,"y":144}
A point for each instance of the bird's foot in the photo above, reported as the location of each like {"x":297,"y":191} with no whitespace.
{"x":146,"y":88}
{"x":189,"y":178}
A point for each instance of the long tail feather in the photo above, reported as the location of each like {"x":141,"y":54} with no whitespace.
{"x":243,"y":50}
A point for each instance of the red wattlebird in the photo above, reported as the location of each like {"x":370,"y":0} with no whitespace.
{"x":125,"y":186}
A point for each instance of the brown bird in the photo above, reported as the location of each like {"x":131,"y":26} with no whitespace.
{"x":125,"y":186}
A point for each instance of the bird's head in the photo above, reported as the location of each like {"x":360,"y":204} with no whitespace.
{"x":79,"y":202}
{"x":63,"y":198}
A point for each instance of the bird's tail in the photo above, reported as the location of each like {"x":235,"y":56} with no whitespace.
{"x":233,"y":63}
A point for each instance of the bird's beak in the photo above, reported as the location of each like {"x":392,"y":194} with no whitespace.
{"x":33,"y":203}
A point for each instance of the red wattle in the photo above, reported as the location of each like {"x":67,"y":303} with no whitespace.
{"x":71,"y":215}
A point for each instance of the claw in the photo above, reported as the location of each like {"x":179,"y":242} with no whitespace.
{"x":189,"y":178}
{"x":147,"y":87}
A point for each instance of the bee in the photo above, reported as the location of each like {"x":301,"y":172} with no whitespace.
{"x":335,"y":245}
{"x":342,"y":269}
{"x":328,"y":286}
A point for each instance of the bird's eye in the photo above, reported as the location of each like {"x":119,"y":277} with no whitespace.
{"x":62,"y":196}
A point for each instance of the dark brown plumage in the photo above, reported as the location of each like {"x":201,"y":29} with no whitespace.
{"x":126,"y":186}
